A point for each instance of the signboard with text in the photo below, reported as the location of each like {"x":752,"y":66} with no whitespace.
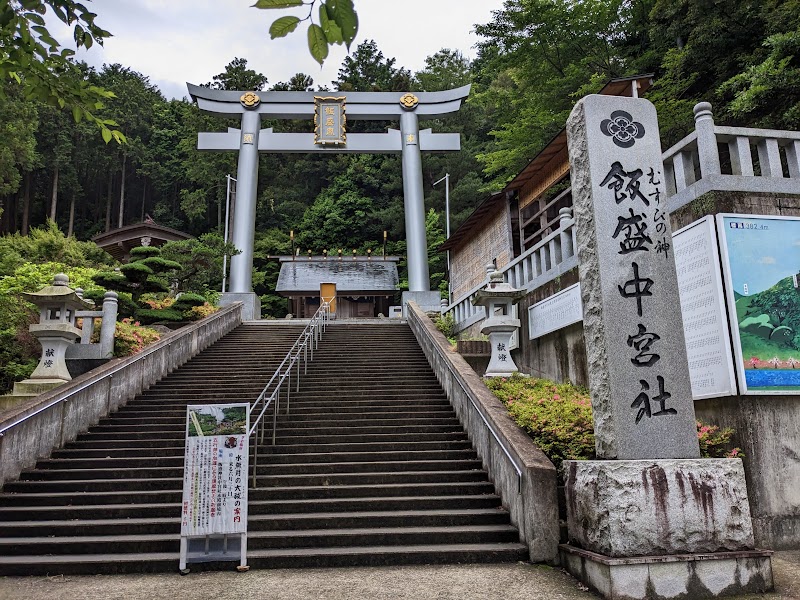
{"x":705,"y":323}
{"x":215,"y":470}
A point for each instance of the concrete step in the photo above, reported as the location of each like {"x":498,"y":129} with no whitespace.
{"x":371,"y":466}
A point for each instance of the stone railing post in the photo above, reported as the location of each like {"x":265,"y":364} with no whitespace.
{"x":565,"y":220}
{"x":108,"y":325}
{"x":707,"y":150}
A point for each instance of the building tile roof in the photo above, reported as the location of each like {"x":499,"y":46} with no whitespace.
{"x":359,"y":276}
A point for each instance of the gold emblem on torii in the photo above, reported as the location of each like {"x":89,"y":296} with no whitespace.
{"x":409,"y":101}
{"x":250,"y":100}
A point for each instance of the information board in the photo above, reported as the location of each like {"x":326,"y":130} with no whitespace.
{"x":215,"y":471}
{"x":705,"y":325}
{"x":555,"y":312}
{"x":761,"y":258}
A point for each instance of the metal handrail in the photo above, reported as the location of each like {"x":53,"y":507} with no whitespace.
{"x":306,"y":343}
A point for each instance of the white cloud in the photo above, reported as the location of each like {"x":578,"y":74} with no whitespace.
{"x":767,"y":260}
{"x":192,"y":40}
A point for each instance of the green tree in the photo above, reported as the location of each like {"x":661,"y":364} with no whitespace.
{"x":444,"y":70}
{"x":147,"y":272}
{"x":369,"y":71}
{"x":34,"y":60}
{"x":201,"y":262}
{"x":237,"y":76}
{"x":538,"y":57}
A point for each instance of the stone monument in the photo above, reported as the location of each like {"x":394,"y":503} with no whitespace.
{"x":652,"y":520}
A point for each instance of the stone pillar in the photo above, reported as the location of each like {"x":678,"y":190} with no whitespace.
{"x":417,"y":246}
{"x":108,"y":325}
{"x":662,"y":523}
{"x":707,"y":150}
{"x":638,"y":371}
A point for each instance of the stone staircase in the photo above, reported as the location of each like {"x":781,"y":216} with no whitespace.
{"x":371,"y":467}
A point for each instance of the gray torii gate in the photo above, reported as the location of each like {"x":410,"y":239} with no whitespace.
{"x":330,"y":110}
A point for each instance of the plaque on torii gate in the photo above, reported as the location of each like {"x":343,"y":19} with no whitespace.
{"x":329,"y":111}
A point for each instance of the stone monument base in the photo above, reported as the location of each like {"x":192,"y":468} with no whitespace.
{"x":674,"y":576}
{"x":667,"y":528}
{"x":27,"y":389}
{"x":427,"y":301}
{"x":251,"y":304}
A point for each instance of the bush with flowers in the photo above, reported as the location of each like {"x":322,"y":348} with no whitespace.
{"x":131,"y":337}
{"x":715,"y":442}
{"x":558,"y":417}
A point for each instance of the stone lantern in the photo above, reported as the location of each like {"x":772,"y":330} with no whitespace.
{"x":55,"y":330}
{"x":500,"y":325}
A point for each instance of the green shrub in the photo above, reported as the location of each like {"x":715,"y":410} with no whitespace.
{"x":151,"y":315}
{"x":186,"y":301}
{"x":558,"y":417}
{"x":19,"y":350}
{"x":48,"y":244}
{"x":446,"y":324}
{"x":141,"y":252}
{"x":715,"y":442}
{"x":32,"y":277}
{"x":130,"y":337}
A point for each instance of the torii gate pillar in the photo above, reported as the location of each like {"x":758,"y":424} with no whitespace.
{"x":244,"y":216}
{"x":328,"y":137}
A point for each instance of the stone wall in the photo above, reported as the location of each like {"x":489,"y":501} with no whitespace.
{"x":735,"y":202}
{"x":560,"y":355}
{"x":468,"y":261}
{"x":530,"y":496}
{"x":31,"y":431}
{"x":768,"y":432}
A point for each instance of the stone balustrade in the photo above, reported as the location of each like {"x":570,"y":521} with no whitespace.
{"x":716,"y":158}
{"x":544,"y":262}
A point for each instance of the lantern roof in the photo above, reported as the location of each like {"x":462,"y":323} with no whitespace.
{"x":59,"y":292}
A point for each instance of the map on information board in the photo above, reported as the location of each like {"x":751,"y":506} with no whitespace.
{"x":761,"y":255}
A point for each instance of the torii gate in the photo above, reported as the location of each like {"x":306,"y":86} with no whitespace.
{"x":328,"y":111}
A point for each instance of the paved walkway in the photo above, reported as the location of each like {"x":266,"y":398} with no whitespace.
{"x":519,"y":581}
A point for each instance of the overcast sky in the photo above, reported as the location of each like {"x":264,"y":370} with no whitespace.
{"x":175,"y":41}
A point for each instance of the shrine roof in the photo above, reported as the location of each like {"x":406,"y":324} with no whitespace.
{"x":119,"y":242}
{"x":360,"y":276}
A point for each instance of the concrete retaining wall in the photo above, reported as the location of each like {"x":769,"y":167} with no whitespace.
{"x":34,"y":429}
{"x":768,"y":432}
{"x":531,"y":499}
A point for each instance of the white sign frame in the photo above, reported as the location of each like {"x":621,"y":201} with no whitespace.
{"x":741,"y":376}
{"x":568,"y":294}
{"x":727,"y":370}
{"x":214,"y":539}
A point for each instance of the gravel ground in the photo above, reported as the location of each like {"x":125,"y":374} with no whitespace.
{"x":519,"y":581}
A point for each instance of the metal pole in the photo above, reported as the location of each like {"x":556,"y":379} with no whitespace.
{"x":446,"y":179}
{"x":275,"y":412}
{"x":228,"y":179}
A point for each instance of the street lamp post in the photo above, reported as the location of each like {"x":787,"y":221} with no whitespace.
{"x":446,"y":179}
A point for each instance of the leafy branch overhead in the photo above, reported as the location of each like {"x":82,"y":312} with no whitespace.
{"x":338,"y":23}
{"x":32,"y":58}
